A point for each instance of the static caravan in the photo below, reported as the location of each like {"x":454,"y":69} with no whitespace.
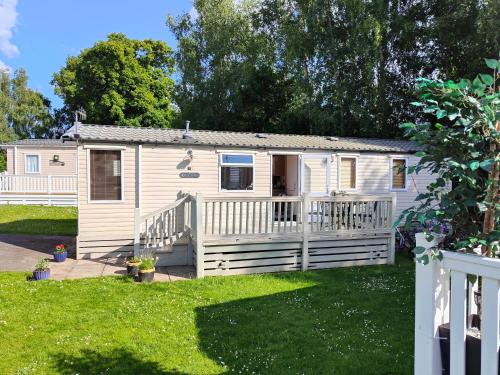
{"x":234,"y":203}
{"x":39,"y":171}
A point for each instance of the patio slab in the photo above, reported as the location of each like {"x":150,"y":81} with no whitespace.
{"x":22,"y":252}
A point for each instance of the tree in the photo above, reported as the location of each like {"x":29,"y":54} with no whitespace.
{"x":6,"y":135}
{"x":25,"y":111}
{"x":344,"y":67}
{"x":120,"y":81}
{"x":462,"y":144}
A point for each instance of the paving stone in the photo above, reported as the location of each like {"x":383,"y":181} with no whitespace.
{"x":21,"y":253}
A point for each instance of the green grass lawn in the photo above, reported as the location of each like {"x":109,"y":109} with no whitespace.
{"x":340,"y":321}
{"x":38,"y":220}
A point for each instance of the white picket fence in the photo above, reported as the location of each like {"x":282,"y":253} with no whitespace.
{"x":38,"y":190}
{"x":21,"y":184}
{"x":442,"y":297}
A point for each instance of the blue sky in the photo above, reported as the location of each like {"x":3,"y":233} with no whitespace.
{"x":39,"y":35}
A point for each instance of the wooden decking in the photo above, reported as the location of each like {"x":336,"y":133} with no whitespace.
{"x":228,"y":236}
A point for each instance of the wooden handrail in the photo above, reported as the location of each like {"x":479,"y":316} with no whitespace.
{"x":170,"y":206}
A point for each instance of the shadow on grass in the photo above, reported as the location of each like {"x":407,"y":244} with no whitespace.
{"x":58,"y":227}
{"x":334,"y":327}
{"x":119,"y":362}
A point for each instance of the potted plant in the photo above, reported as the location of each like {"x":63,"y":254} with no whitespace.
{"x":60,"y":253}
{"x":42,"y":270}
{"x":147,"y":269}
{"x":133,"y":266}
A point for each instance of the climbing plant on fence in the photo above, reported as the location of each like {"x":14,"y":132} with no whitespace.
{"x":459,"y":128}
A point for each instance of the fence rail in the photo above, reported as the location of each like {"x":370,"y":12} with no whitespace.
{"x":23,"y":184}
{"x":280,"y":215}
{"x":444,"y":295}
{"x":164,"y":226}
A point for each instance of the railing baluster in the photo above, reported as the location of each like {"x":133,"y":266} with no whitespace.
{"x":220,"y":217}
{"x":267,"y":217}
{"x":260,"y":217}
{"x":213,"y":217}
{"x":234,"y":217}
{"x":254,"y":217}
{"x":490,"y":326}
{"x":206,"y":217}
{"x":457,"y":322}
{"x":227,"y":219}
{"x":279,"y":217}
{"x":241,"y":217}
{"x":247,"y":217}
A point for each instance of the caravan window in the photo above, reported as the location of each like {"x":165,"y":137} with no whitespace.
{"x":398,"y":174}
{"x":32,"y":164}
{"x":105,"y":175}
{"x":236,"y":172}
{"x":347,"y":173}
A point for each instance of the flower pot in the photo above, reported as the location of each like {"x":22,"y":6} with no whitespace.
{"x":60,"y":256}
{"x":133,"y":268}
{"x":472,"y":348}
{"x":41,"y":274}
{"x":146,"y":275}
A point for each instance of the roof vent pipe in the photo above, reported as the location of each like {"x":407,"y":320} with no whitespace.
{"x":186,"y":134}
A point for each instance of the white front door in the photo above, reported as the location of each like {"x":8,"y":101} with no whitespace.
{"x":315,"y":174}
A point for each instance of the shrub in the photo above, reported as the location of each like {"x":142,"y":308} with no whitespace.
{"x":42,"y":265}
{"x":459,"y":128}
{"x":147,"y":263}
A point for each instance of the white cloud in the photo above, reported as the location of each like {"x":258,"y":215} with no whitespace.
{"x":8,"y":16}
{"x":4,"y":67}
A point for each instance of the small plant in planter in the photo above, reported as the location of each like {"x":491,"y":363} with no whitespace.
{"x":147,"y":269}
{"x":42,"y":270}
{"x":133,"y":266}
{"x":60,"y":253}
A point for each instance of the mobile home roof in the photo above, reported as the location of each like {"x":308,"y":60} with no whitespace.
{"x":116,"y":134}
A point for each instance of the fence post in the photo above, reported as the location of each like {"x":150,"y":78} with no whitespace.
{"x":200,"y":266}
{"x":137,"y":232}
{"x":431,"y":310}
{"x":305,"y":231}
{"x":392,"y":250}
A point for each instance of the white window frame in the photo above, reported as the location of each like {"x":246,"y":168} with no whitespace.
{"x":391,"y":159}
{"x":39,"y":163}
{"x":328,"y":167}
{"x":220,"y":165}
{"x":122,"y":179}
{"x":356,"y":176}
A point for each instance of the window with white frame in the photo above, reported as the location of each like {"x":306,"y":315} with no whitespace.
{"x":236,"y":172}
{"x":105,"y":175}
{"x":399,"y":169}
{"x":32,"y":164}
{"x":347,"y":172}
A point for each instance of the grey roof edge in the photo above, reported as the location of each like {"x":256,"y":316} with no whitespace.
{"x":45,"y":143}
{"x":371,"y":144}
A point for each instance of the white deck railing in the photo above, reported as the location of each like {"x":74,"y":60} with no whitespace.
{"x":161,"y":228}
{"x":23,"y":184}
{"x":237,"y":216}
{"x":442,"y":296}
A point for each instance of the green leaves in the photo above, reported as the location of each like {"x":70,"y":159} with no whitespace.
{"x":492,"y":63}
{"x":473,"y":165}
{"x":419,"y":250}
{"x":487,"y":79}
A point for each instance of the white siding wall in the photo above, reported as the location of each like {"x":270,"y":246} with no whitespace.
{"x":161,"y":166}
{"x":373,"y":178}
{"x":47,"y":167}
{"x":108,"y":229}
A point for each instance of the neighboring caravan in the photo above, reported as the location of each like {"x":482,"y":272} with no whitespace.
{"x":232,"y":202}
{"x":39,"y":171}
